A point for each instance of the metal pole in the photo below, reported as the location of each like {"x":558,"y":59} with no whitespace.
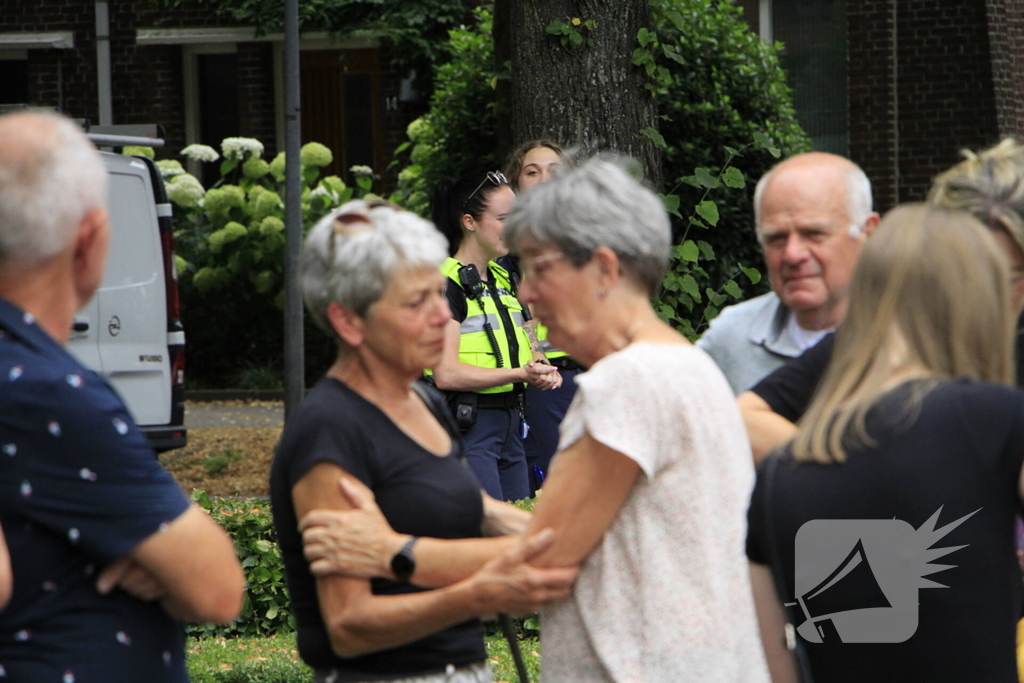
{"x":294,"y":363}
{"x":106,"y":107}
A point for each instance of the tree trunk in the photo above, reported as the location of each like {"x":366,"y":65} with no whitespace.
{"x":503,"y":92}
{"x":588,"y":97}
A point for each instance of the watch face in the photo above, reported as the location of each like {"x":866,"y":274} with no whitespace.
{"x":403,"y":566}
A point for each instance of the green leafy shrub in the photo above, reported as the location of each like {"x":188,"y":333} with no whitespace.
{"x":723,"y":104}
{"x":458,"y":133}
{"x":266,"y":608}
{"x":230,"y":245}
{"x":727,"y":116}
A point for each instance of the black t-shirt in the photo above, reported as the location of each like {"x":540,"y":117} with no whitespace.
{"x":961,"y":455}
{"x":789,"y":389}
{"x":420,"y":494}
{"x":457,"y":301}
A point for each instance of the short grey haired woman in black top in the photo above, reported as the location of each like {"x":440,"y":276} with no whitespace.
{"x":370,"y":278}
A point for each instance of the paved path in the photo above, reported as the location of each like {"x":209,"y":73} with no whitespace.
{"x":253,"y":415}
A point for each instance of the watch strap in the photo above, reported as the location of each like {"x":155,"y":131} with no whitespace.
{"x":403,"y":564}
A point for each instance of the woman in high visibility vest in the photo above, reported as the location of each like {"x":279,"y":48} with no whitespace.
{"x":533,"y":163}
{"x":487,"y":360}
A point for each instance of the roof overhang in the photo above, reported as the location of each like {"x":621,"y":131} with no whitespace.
{"x":60,"y":40}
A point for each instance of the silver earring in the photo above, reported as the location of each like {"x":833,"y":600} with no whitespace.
{"x":601,"y":293}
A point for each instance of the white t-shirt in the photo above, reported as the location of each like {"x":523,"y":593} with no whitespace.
{"x":666,"y":594}
{"x":804,"y":339}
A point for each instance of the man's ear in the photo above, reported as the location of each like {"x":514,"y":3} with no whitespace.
{"x":870,"y":224}
{"x":349,"y":326}
{"x":89,"y":258}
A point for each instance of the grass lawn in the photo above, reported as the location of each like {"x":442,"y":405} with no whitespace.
{"x":274,"y":660}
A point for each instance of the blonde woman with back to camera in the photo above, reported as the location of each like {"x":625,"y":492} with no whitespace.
{"x":915,"y":431}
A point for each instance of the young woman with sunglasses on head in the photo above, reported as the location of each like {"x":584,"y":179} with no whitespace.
{"x":487,"y":359}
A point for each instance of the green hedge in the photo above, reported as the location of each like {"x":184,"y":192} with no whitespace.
{"x":266,"y":608}
{"x":259,"y":647}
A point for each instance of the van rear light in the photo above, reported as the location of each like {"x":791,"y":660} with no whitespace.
{"x":170,"y":280}
{"x":178,"y":369}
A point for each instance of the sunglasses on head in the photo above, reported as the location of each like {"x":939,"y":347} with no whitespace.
{"x":496,"y":178}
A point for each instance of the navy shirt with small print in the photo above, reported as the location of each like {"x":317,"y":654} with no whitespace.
{"x":80,"y":487}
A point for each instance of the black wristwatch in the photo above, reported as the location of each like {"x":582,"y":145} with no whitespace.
{"x":403,"y":564}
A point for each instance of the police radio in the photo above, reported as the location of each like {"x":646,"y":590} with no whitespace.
{"x":469,"y":278}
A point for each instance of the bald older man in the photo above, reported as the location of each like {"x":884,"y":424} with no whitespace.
{"x":108,"y":554}
{"x":812,"y":213}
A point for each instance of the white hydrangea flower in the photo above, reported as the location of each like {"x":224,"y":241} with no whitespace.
{"x":185,"y":191}
{"x":169,"y":168}
{"x":365,"y":171}
{"x":200,"y":153}
{"x":322,"y":191}
{"x":236,"y":148}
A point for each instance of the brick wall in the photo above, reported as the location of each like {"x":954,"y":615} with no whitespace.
{"x":944,"y":96}
{"x":256,"y":106}
{"x":870,"y":73}
{"x":148,"y":81}
{"x":58,"y":78}
{"x":1006,"y":38}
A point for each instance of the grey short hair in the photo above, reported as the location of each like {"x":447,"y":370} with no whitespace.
{"x":598,"y":204}
{"x":51,"y":176}
{"x":858,"y":195}
{"x":351,"y":253}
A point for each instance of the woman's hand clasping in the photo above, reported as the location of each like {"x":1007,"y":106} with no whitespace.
{"x":542,"y":376}
{"x":509,"y":584}
{"x":357,"y":543}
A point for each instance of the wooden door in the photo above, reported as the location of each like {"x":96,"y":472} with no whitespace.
{"x":341,"y":107}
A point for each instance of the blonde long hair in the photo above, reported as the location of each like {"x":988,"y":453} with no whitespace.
{"x":930,"y":297}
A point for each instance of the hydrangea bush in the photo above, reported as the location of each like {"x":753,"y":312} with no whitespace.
{"x":230,"y":251}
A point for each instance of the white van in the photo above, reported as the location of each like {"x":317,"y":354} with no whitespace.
{"x":131,"y":331}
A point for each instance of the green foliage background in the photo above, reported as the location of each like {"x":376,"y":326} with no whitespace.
{"x":250,"y":524}
{"x":718,"y":89}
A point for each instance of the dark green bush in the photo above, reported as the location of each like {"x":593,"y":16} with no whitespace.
{"x":266,"y":608}
{"x":457,"y":135}
{"x":725,"y":87}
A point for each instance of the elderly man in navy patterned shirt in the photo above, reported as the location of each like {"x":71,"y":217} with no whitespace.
{"x":107,"y":553}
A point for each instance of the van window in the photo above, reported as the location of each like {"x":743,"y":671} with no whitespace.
{"x":134,"y":257}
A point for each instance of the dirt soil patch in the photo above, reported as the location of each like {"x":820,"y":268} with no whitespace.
{"x":225,"y":461}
